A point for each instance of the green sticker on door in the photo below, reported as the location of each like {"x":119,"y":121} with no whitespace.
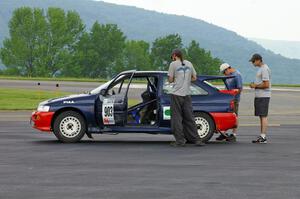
{"x":166,"y":113}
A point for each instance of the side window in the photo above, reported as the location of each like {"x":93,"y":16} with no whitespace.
{"x":119,"y":86}
{"x":195,"y":89}
{"x":142,"y":89}
{"x":167,"y":88}
{"x":136,"y":88}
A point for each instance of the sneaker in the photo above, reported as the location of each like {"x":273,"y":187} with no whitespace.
{"x":222,"y":137}
{"x":231,"y":138}
{"x":175,"y":144}
{"x":260,"y":140}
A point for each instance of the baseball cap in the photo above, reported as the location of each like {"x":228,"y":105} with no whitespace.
{"x":255,"y":57}
{"x":223,"y":67}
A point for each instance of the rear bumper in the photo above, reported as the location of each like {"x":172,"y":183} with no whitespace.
{"x":225,"y":121}
{"x":41,"y":120}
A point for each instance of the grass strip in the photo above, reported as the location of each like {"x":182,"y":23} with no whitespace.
{"x":26,"y":99}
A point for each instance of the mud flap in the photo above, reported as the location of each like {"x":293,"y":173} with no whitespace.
{"x":223,"y":133}
{"x":89,"y":135}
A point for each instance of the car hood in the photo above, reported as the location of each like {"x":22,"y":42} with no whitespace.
{"x":69,"y":98}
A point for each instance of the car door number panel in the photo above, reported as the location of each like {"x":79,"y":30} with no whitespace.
{"x":108,"y":111}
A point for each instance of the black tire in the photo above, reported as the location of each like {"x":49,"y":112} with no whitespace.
{"x":205,"y":126}
{"x":69,"y":127}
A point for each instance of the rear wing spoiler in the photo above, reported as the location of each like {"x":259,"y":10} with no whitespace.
{"x":210,"y":77}
{"x":223,"y":78}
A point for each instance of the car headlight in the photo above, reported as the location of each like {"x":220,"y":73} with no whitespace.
{"x":42,"y":108}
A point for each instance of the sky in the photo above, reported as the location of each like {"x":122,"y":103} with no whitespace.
{"x":266,"y":19}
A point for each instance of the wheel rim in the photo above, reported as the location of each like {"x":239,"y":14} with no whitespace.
{"x":70,"y":127}
{"x":202,"y":126}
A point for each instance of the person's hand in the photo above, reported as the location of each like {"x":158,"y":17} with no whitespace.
{"x":252,"y":85}
{"x":237,"y":91}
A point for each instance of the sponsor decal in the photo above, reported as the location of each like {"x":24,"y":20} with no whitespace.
{"x":68,"y":102}
{"x":108,"y":111}
{"x":166,"y":113}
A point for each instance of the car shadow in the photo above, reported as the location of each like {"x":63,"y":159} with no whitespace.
{"x":220,"y":143}
{"x":105,"y":142}
{"x":121,"y":142}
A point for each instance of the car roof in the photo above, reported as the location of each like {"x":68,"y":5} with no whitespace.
{"x":200,"y":77}
{"x":144,"y":72}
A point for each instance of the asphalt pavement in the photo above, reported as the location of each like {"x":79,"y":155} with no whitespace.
{"x":35,"y":165}
{"x":67,"y":86}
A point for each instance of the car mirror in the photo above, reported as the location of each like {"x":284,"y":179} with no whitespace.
{"x":103,"y":92}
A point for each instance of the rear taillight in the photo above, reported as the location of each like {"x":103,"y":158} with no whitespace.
{"x":233,"y":92}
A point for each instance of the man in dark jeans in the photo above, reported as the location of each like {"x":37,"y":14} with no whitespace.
{"x":262,"y":86}
{"x":181,"y":73}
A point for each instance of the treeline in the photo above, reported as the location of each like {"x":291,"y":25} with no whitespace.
{"x":56,"y":43}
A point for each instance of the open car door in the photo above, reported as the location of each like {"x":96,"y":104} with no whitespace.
{"x":115,"y":101}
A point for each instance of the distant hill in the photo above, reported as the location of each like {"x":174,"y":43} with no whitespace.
{"x":290,"y":49}
{"x":147,"y":25}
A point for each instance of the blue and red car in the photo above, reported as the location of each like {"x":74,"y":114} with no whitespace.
{"x":124,"y":105}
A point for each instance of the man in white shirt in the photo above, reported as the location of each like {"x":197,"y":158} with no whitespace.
{"x":262,"y":86}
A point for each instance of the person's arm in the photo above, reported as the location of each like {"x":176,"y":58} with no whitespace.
{"x":171,"y":79}
{"x":239,"y":83}
{"x":265,"y":83}
{"x":194,"y":74}
{"x":171,"y":73}
{"x":194,"y":78}
{"x":238,"y":90}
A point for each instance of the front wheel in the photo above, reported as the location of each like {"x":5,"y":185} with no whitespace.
{"x":205,"y":126}
{"x":69,"y":127}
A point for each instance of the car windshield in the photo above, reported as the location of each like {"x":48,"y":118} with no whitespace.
{"x":98,"y":89}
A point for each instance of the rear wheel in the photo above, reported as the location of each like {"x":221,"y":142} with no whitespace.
{"x":69,"y":127}
{"x":205,"y":126}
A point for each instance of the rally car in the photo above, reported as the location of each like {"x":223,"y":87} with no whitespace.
{"x":135,"y":102}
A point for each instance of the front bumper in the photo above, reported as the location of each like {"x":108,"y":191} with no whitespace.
{"x":225,"y":121}
{"x":41,"y":120}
